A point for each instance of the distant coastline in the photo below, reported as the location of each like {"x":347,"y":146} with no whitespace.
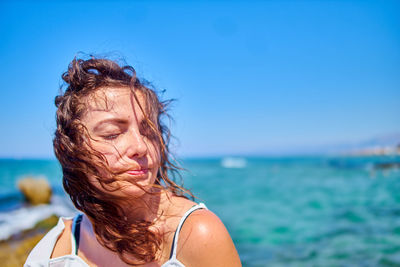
{"x":377,"y":151}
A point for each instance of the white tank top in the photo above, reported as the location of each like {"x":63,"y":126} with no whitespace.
{"x":41,"y":253}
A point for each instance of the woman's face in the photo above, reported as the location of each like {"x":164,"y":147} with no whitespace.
{"x":118,"y":130}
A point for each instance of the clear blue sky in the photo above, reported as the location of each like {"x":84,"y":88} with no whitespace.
{"x":250,"y":76}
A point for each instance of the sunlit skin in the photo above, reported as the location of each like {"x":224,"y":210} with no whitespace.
{"x":115,"y":124}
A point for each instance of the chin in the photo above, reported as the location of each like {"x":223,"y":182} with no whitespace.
{"x":132,"y":190}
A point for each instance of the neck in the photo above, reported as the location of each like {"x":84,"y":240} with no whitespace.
{"x":145,"y":208}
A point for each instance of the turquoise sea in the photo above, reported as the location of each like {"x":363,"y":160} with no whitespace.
{"x":289,"y":211}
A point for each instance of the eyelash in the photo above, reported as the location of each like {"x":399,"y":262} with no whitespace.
{"x":111,"y":137}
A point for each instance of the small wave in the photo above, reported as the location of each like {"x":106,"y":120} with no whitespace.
{"x":231,"y":162}
{"x":15,"y":221}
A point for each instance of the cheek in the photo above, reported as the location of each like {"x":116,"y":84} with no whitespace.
{"x":109,"y":151}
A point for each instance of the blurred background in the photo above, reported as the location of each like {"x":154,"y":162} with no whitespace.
{"x":286,"y":119}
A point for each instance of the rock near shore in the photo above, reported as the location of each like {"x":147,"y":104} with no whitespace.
{"x":36,"y":190}
{"x":15,"y":250}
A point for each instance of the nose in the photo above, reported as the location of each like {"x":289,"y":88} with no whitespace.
{"x":136,"y":147}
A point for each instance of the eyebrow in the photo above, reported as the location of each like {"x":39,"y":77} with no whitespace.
{"x":110,"y":120}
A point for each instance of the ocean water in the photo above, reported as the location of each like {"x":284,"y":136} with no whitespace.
{"x":291,"y":211}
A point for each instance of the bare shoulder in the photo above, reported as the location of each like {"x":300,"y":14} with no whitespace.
{"x":202,"y":235}
{"x":63,"y":244}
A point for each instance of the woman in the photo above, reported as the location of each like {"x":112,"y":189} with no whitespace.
{"x":113,"y":149}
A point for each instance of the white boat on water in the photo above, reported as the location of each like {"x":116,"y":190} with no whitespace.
{"x":233,"y":162}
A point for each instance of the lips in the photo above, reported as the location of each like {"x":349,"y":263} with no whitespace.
{"x":138,"y":172}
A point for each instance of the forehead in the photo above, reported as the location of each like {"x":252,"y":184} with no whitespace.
{"x":114,"y":99}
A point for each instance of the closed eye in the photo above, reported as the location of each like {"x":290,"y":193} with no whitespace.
{"x":111,"y":136}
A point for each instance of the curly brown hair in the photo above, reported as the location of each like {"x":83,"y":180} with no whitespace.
{"x":134,"y":242}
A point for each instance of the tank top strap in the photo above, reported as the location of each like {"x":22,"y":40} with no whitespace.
{"x":75,"y":233}
{"x":178,"y":229}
